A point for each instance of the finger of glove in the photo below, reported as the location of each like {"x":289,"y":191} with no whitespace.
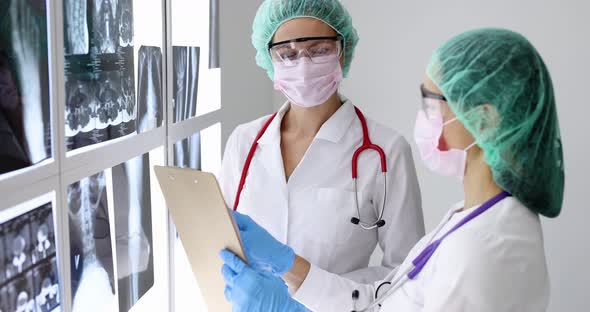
{"x":232,"y":261}
{"x":227,"y":292}
{"x":228,"y":275}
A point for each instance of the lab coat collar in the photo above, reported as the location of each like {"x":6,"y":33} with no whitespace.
{"x":332,"y":130}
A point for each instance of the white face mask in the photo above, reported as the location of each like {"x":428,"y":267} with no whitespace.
{"x":307,"y":84}
{"x":427,"y":134}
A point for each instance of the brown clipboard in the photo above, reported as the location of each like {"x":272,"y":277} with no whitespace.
{"x":205,"y":227}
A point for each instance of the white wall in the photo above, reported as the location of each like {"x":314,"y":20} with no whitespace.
{"x":245,"y":88}
{"x":397,"y":38}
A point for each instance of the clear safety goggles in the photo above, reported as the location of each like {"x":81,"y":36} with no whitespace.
{"x":317,"y":49}
{"x":433,"y":104}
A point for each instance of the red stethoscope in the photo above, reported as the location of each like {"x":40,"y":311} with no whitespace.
{"x":367,"y":145}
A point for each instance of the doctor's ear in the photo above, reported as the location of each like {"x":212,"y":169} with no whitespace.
{"x":485,"y":120}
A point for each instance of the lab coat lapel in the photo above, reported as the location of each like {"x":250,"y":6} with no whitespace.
{"x":331,"y":132}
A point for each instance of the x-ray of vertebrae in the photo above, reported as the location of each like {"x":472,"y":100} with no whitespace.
{"x":76,"y":27}
{"x":187,"y":152}
{"x":105,"y":25}
{"x":29,"y":279}
{"x":100,"y":85}
{"x":186,"y":82}
{"x":110,"y":24}
{"x":133,"y":230}
{"x":25,"y":136}
{"x":149,"y":91}
{"x":91,"y":253}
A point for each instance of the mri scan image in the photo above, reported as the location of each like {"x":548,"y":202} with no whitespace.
{"x":125,"y":22}
{"x":45,"y":279}
{"x":149,"y":90}
{"x":186,"y":82}
{"x":100,"y":84}
{"x":17,"y":241}
{"x":29,"y":279}
{"x":21,"y":294}
{"x":109,"y":106}
{"x":91,"y":253}
{"x":25,"y":129}
{"x":80,"y":105}
{"x":106,"y":30}
{"x":133,"y":230}
{"x":76,"y":36}
{"x":43,"y":235}
{"x":187,"y":152}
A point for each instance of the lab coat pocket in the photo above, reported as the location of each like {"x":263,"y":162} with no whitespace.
{"x":334,"y":209}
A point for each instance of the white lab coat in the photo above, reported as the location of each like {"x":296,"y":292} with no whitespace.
{"x":494,"y":263}
{"x":312,"y":211}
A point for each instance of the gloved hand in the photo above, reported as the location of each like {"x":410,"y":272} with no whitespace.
{"x":249,"y":290}
{"x":264,"y":252}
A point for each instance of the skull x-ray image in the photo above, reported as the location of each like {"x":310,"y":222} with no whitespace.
{"x":100,"y":84}
{"x":133,"y":230}
{"x":76,"y":33}
{"x":28,"y":259}
{"x":91,"y":253}
{"x":43,"y":235}
{"x":187,"y":152}
{"x":149,"y":90}
{"x":186,"y":82}
{"x":25,"y":129}
{"x":17,"y":241}
{"x":21,"y":294}
{"x":45,"y":278}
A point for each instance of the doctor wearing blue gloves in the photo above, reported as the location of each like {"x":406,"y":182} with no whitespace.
{"x":489,"y":118}
{"x":319,"y":175}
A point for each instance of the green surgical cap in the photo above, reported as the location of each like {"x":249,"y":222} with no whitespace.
{"x":518,"y":129}
{"x":273,"y":13}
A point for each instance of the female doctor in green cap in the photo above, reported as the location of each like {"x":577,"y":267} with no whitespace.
{"x":292,"y":171}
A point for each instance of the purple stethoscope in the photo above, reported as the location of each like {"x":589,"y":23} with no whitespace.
{"x":422,"y":259}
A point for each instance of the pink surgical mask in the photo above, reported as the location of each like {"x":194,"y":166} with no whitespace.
{"x":427,"y":134}
{"x":308,"y":84}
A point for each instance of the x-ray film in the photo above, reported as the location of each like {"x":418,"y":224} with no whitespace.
{"x":100,"y":83}
{"x":21,"y":293}
{"x":133,"y":230}
{"x":25,"y":129}
{"x":29,"y":280}
{"x":187,"y":152}
{"x":76,"y":37}
{"x":186,"y":82}
{"x":91,"y":253}
{"x":149,"y":90}
{"x":46,"y":283}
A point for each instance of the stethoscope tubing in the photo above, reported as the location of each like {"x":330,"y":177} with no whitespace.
{"x":366,"y":145}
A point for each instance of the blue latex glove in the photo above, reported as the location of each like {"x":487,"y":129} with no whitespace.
{"x":249,"y":290}
{"x":264,"y":252}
